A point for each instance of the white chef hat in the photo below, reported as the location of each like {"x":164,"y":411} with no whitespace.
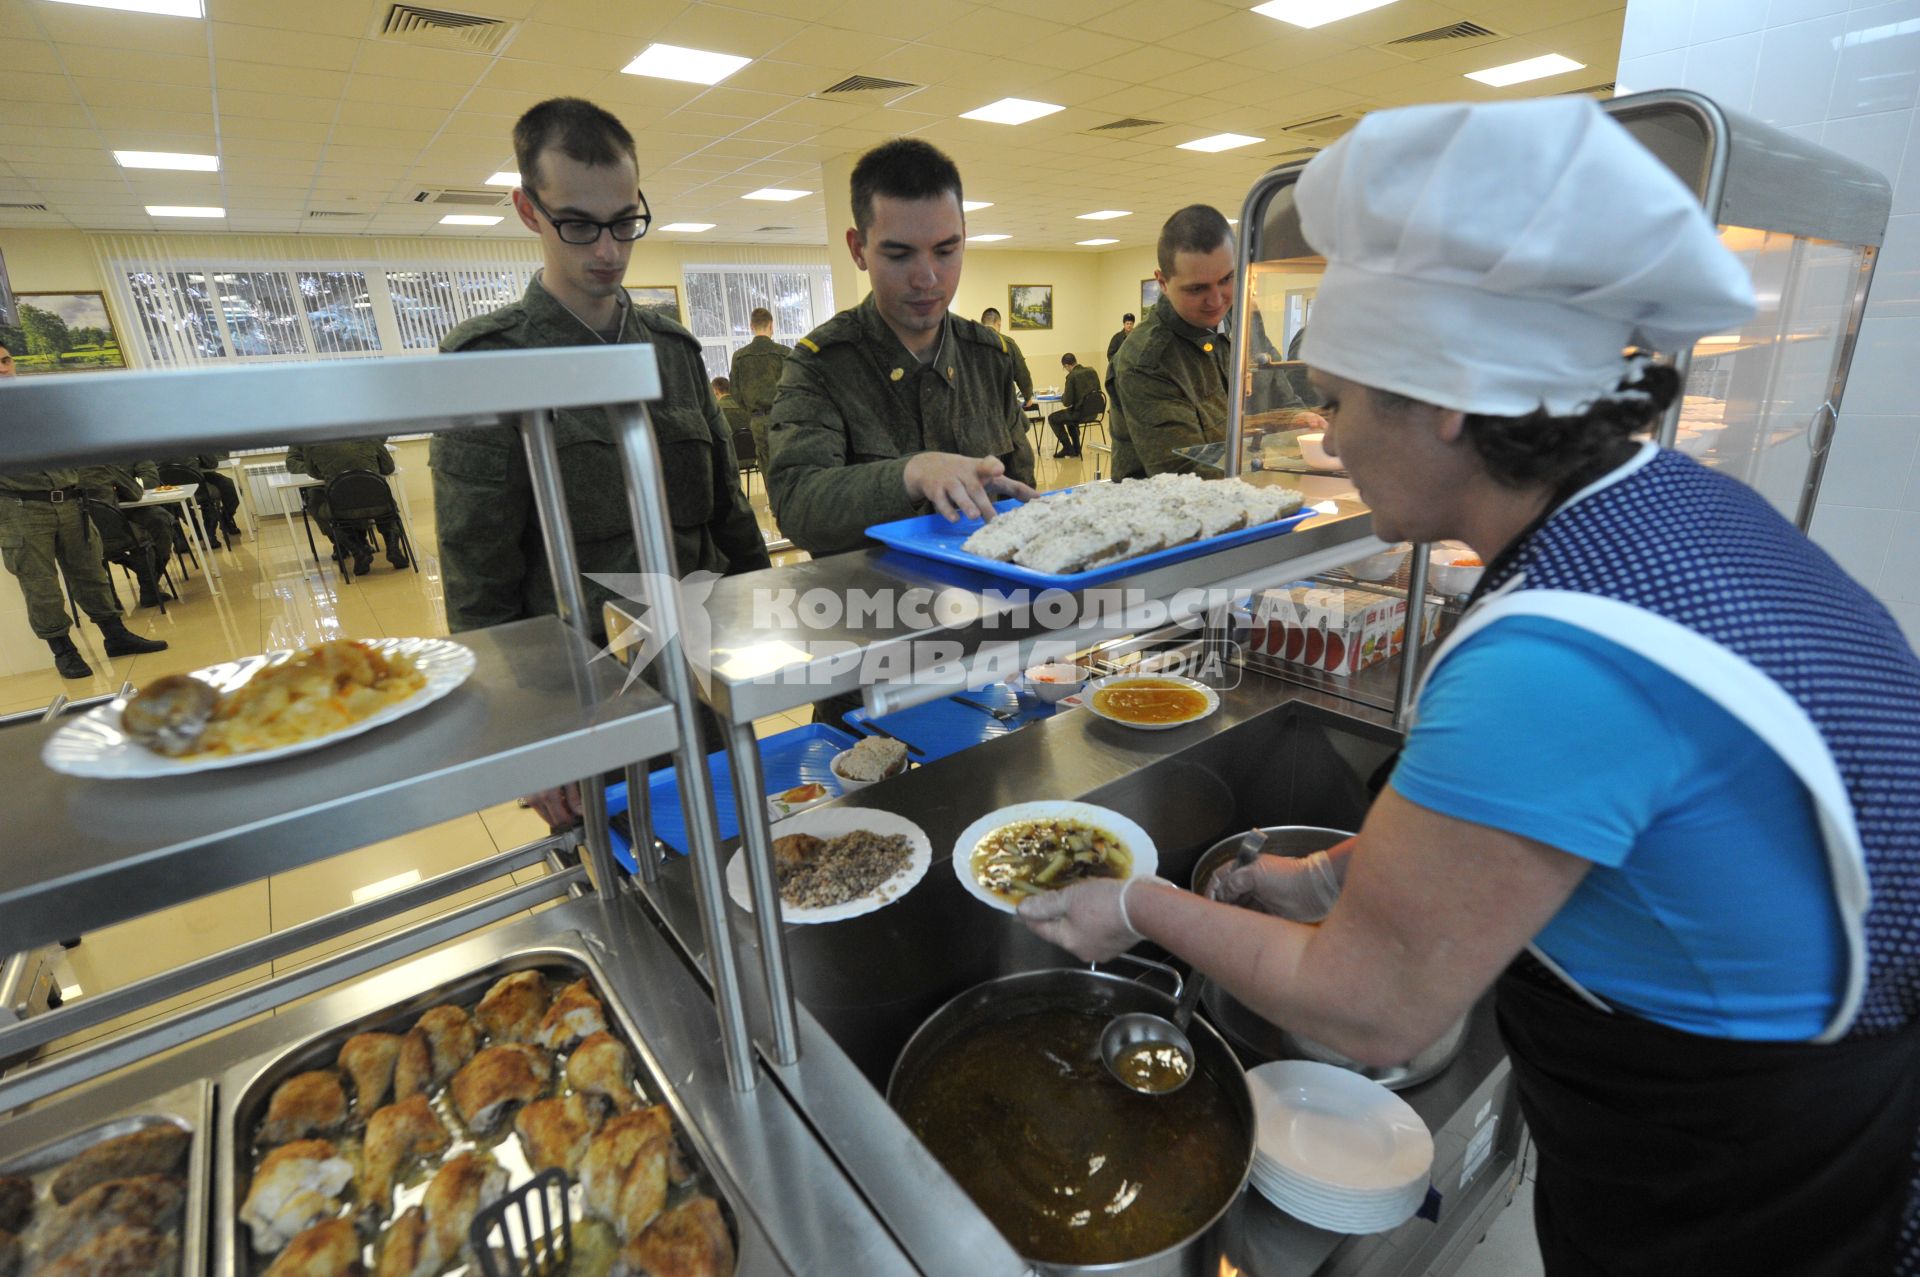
{"x":1496,"y":258}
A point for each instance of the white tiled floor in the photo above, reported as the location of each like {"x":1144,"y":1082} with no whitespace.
{"x":1509,"y":1249}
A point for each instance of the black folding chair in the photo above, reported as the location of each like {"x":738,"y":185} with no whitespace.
{"x":127,"y":547}
{"x":746,"y":458}
{"x":181,"y":475}
{"x":362,"y":498}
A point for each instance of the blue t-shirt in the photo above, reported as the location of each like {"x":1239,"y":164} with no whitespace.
{"x":1709,"y":906}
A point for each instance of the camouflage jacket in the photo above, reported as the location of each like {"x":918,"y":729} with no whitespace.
{"x":1022,"y":378}
{"x":736,"y":415}
{"x":105,"y":482}
{"x":756,"y":376}
{"x":1168,"y":389}
{"x":493,"y":559}
{"x":1081,"y":382}
{"x":854,"y":406}
{"x":39,"y":480}
{"x":325,"y":460}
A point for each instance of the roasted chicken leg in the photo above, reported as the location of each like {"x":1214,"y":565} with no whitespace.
{"x":305,"y":1105}
{"x":144,"y":1201}
{"x":573,"y":1015}
{"x":396,"y":1134}
{"x":151,"y":1150}
{"x":368,"y":1058}
{"x":691,"y":1240}
{"x":496,"y":1077}
{"x":554,"y":1132}
{"x":330,"y":1248}
{"x":458,"y":1191}
{"x":512,"y":1009}
{"x":625,"y":1170}
{"x":601,"y":1066}
{"x":296,"y":1185}
{"x":127,"y":1250}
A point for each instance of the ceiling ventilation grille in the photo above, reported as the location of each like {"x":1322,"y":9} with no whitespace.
{"x":1325,"y":127}
{"x":1297,"y":153}
{"x":1594,"y":90}
{"x":333,"y":212}
{"x":477,"y":199}
{"x":23,"y":208}
{"x":1458,"y":31}
{"x":445,"y":29}
{"x":773,"y":230}
{"x":1119,"y":126}
{"x":870,"y":89}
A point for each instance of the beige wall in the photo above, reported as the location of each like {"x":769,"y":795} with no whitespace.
{"x":50,"y":262}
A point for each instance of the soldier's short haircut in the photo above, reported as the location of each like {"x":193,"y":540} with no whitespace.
{"x":1067,"y":360}
{"x":1197,"y":228}
{"x":1127,"y":318}
{"x":721,"y":386}
{"x":904,"y":169}
{"x":577,"y":129}
{"x":991,"y":310}
{"x":760,"y":318}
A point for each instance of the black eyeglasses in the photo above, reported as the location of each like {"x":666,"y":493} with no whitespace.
{"x":582,"y":230}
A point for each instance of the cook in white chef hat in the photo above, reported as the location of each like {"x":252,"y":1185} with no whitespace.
{"x":1496,"y":258}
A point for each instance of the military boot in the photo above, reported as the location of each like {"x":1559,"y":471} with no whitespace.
{"x":67,"y":658}
{"x":120,"y":641}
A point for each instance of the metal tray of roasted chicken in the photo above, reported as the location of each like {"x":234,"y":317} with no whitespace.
{"x":378,"y":1142}
{"x":126,"y":1193}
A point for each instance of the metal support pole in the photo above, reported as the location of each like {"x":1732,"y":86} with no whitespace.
{"x":653,"y":532}
{"x":1416,"y":635}
{"x":550,"y":502}
{"x":750,"y":787}
{"x":640,"y":821}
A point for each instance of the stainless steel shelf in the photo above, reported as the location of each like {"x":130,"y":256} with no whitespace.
{"x":538,"y":711}
{"x":84,"y":416}
{"x":763,"y":666}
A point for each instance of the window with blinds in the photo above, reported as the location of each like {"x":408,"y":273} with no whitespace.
{"x":720,"y":300}
{"x":260,"y":311}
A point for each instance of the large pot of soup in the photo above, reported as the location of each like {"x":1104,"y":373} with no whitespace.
{"x":1005,"y":1087}
{"x":1262,"y":1037}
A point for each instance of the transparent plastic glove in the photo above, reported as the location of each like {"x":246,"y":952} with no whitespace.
{"x":1088,"y":919}
{"x":1291,"y":887}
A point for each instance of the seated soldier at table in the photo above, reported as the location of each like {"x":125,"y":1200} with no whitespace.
{"x":325,"y":460}
{"x":738,"y":418}
{"x":1081,"y":400}
{"x":115,"y":484}
{"x":226,"y":496}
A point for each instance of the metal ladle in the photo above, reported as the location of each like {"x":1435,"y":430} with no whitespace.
{"x":1149,"y":1053}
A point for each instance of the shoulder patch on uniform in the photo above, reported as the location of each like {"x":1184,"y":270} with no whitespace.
{"x":468,"y":331}
{"x":808,"y":343}
{"x":981,"y":334}
{"x":650,"y":318}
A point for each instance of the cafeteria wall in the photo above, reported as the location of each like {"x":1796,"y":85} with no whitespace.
{"x":1848,"y":77}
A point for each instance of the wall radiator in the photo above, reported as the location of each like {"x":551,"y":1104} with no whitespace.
{"x":266,"y":502}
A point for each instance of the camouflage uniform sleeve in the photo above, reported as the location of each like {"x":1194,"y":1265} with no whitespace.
{"x":386,"y":458}
{"x":482,"y":503}
{"x":1021,"y":377}
{"x":822,"y":503}
{"x":735,"y":531}
{"x":1159,"y":418}
{"x":1021,"y":465}
{"x":147,"y":472}
{"x":297,"y":462}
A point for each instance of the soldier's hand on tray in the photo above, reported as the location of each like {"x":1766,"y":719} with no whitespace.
{"x":1301,"y":889}
{"x":560,"y":808}
{"x":1088,"y":919}
{"x":961,"y":486}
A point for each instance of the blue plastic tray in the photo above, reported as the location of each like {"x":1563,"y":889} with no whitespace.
{"x":939,"y":728}
{"x":931,"y":537}
{"x":791,"y":758}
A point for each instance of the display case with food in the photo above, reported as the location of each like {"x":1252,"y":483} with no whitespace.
{"x":382,"y":1141}
{"x":82,"y":1194}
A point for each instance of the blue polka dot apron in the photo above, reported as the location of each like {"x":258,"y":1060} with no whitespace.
{"x":1665,"y":1152}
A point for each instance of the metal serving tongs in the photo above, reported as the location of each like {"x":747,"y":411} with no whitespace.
{"x":1149,"y":1053}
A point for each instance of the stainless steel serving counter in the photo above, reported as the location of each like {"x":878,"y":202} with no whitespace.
{"x":1275,"y":753}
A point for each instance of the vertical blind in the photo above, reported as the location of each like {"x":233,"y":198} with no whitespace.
{"x":720,"y":300}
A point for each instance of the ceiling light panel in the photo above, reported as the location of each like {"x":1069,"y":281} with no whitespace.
{"x":1011,"y":111}
{"x":505,"y":177}
{"x":168,"y":160}
{"x":469,"y":219}
{"x":689,"y":227}
{"x":166,"y":8}
{"x":1095,"y":243}
{"x":775,"y":194}
{"x":1220,"y":142}
{"x":183,"y":210}
{"x":986,"y":239}
{"x":690,"y":66}
{"x":1105,"y":215}
{"x":1531,"y":69}
{"x":974,"y":206}
{"x":1316,"y":13}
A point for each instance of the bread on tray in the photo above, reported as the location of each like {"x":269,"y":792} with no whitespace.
{"x":1104,"y":523}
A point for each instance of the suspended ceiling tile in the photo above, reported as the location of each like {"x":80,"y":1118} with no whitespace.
{"x":411,"y":141}
{"x":160,"y":97}
{"x":275,"y":106}
{"x":831,"y":48}
{"x":347,"y":18}
{"x":508,"y":102}
{"x":726,"y":30}
{"x":916,"y":64}
{"x":473,"y":125}
{"x":28,"y":87}
{"x":388,"y":91}
{"x":282,"y":48}
{"x":611,"y":17}
{"x":77,"y":140}
{"x":414,"y":63}
{"x":901,"y":21}
{"x":1144,"y":65}
{"x":569,"y":46}
{"x":235,"y":125}
{"x":777,"y":132}
{"x":260,"y":77}
{"x":1011,"y":34}
{"x":67,"y":24}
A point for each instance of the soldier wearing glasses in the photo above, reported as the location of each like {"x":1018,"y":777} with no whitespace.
{"x":580,"y":194}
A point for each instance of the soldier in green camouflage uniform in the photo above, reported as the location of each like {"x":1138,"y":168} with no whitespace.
{"x":731,"y":408}
{"x":855,"y":407}
{"x":1171,"y":378}
{"x":325,"y":460}
{"x":42,"y":535}
{"x":1022,"y":377}
{"x":492,"y":556}
{"x":756,"y":377}
{"x":221,"y":497}
{"x":152,"y":525}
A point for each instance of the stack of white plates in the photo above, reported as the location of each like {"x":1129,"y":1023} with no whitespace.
{"x":1336,"y":1150}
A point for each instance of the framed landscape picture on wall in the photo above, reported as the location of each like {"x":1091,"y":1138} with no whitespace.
{"x":61,"y":332}
{"x":1149,"y":294}
{"x":661,"y":297}
{"x":1029,"y":306}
